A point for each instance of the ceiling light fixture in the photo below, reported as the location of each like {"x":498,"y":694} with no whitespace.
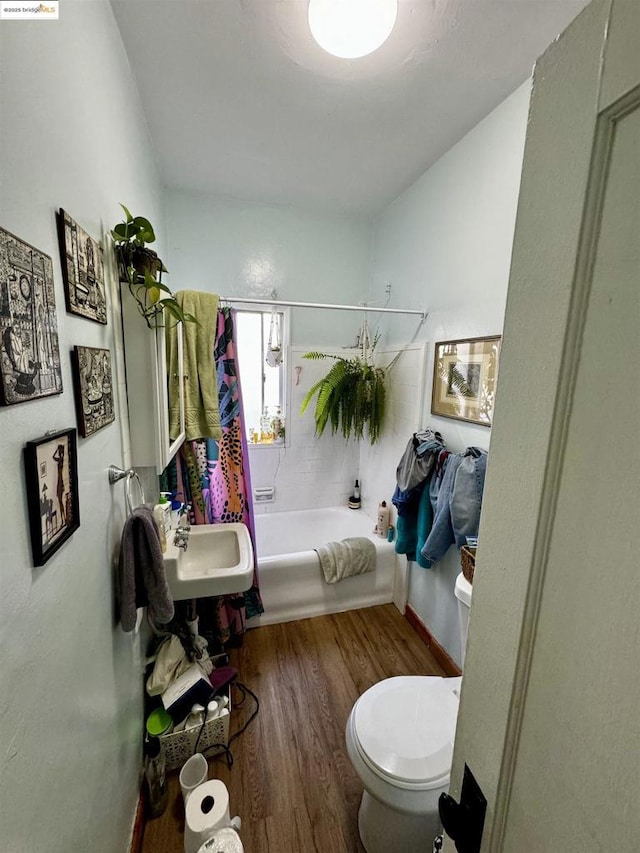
{"x":350,"y":29}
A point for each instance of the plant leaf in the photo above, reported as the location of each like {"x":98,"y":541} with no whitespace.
{"x":330,"y":395}
{"x":120,"y":232}
{"x":378,"y":406}
{"x":308,"y":396}
{"x":144,"y":229}
{"x":173,"y":308}
{"x":318,"y":355}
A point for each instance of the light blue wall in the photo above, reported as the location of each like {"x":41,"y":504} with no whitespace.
{"x":445,"y":244}
{"x":71,"y":694}
{"x":235,"y":248}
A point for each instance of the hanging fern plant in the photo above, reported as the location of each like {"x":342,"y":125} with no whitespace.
{"x":351,"y":397}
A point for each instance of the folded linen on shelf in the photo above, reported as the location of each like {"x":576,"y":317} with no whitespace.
{"x":353,"y":556}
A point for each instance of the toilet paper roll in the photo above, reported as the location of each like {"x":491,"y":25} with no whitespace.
{"x":207,"y":810}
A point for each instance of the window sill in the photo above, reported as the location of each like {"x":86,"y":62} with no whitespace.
{"x":265,"y":445}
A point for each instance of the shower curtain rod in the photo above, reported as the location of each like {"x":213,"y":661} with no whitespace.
{"x":287,"y":304}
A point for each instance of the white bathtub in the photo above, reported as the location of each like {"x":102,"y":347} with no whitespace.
{"x":291,"y":581}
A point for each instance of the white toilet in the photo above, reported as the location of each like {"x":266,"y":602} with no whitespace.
{"x":463,"y":590}
{"x":399,"y":738}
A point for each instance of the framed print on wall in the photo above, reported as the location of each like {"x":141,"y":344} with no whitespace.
{"x":465,"y":374}
{"x":93,"y":388}
{"x":29,"y":348}
{"x":82,"y":270}
{"x":51,"y":473}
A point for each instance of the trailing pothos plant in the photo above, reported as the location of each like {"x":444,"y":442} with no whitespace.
{"x":351,"y":397}
{"x":141,"y":268}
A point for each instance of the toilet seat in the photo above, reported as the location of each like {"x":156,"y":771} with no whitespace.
{"x":403,"y":730}
{"x":399,"y":738}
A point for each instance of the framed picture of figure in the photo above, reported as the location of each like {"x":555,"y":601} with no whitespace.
{"x":51,"y":473}
{"x":29,"y":348}
{"x":465,"y":374}
{"x":82,"y":270}
{"x":93,"y":387}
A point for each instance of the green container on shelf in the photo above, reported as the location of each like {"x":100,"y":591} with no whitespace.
{"x":159,"y":723}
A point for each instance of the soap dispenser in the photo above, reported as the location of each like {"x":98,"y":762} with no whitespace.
{"x":158,"y":517}
{"x":162,"y":516}
{"x":165,"y":503}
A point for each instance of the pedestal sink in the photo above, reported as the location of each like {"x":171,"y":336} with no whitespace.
{"x":218,"y":560}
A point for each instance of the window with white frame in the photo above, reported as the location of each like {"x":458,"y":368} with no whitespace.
{"x":261,"y":343}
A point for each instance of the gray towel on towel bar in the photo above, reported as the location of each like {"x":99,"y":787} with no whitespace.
{"x":354,"y":556}
{"x":143,"y":582}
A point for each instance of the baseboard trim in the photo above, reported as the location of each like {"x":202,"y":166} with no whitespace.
{"x":138,"y":827}
{"x":443,"y":658}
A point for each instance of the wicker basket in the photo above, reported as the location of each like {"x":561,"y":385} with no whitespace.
{"x":178,"y":747}
{"x":468,"y":560}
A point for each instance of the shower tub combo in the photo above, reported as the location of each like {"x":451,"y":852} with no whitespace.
{"x":291,"y":582}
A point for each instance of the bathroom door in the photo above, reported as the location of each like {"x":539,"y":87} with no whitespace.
{"x":550,"y":709}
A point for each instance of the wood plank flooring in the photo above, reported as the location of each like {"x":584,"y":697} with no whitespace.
{"x":291,"y":781}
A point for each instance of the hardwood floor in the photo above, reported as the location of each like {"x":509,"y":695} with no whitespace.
{"x":291,"y":781}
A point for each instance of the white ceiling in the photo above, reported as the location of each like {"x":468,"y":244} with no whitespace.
{"x":241,"y":102}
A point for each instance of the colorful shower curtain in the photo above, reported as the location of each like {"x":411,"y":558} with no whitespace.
{"x":213,"y":476}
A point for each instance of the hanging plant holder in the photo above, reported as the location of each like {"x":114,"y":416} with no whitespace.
{"x":274,"y":347}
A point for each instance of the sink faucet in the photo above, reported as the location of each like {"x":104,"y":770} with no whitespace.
{"x":183,"y":517}
{"x":181,"y":538}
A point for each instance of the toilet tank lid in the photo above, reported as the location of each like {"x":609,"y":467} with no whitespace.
{"x":405,"y":727}
{"x":463,"y":590}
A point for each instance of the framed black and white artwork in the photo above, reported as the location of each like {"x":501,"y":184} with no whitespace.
{"x":29,"y":348}
{"x":82,"y":270}
{"x":51,"y":473}
{"x":93,"y":386}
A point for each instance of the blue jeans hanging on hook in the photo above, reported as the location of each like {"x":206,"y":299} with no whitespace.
{"x":457,"y":513}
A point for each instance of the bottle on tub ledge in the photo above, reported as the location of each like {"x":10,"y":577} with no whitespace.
{"x":266,"y":430}
{"x":382,"y":524}
{"x":354,"y":499}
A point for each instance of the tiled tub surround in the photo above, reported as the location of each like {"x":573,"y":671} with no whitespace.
{"x":308,"y":471}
